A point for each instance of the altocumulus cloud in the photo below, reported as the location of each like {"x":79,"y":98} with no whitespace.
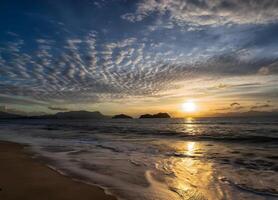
{"x":207,"y":12}
{"x":86,"y":70}
{"x":146,"y":49}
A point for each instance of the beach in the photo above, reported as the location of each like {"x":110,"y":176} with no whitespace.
{"x":24,"y":178}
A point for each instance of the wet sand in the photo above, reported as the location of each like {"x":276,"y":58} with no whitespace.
{"x":21,"y":177}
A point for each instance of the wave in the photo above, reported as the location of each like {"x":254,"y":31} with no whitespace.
{"x":232,"y":131}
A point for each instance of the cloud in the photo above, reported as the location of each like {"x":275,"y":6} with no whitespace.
{"x":234,"y":104}
{"x":57,"y":108}
{"x":86,"y":69}
{"x":208,"y":12}
{"x":124,"y":69}
{"x":133,"y":17}
{"x":12,"y":33}
{"x":222,"y":86}
{"x":260,"y":106}
{"x":3,"y":108}
{"x":238,"y":108}
{"x":90,"y":57}
{"x":8,"y":99}
{"x":232,"y":64}
{"x":263,"y":71}
{"x":270,"y":69}
{"x":20,"y":112}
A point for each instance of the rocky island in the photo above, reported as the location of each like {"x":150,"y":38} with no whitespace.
{"x":158,"y":115}
{"x":121,"y":116}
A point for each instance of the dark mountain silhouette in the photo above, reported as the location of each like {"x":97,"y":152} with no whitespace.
{"x":121,"y":116}
{"x":60,"y":115}
{"x":73,"y":115}
{"x":5,"y":115}
{"x":79,"y":115}
{"x":158,"y":115}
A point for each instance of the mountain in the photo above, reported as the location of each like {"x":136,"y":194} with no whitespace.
{"x":73,"y":115}
{"x":5,"y":115}
{"x":60,"y":115}
{"x":121,"y":116}
{"x":79,"y":115}
{"x":158,"y":115}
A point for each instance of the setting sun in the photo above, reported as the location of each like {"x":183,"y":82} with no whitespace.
{"x":189,"y":106}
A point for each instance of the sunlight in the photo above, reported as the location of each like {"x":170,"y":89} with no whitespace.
{"x":189,"y":106}
{"x":190,"y":148}
{"x":192,"y":176}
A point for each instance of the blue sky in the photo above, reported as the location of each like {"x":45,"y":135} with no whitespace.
{"x":146,"y":55}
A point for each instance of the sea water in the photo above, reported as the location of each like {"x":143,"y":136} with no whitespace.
{"x":153,"y":159}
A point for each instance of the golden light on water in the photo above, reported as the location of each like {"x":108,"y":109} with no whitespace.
{"x":193,"y":176}
{"x":190,"y":148}
{"x":189,"y":106}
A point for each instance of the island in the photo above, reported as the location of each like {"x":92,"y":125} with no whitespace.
{"x":158,"y":115}
{"x":121,"y":116}
{"x":146,"y":116}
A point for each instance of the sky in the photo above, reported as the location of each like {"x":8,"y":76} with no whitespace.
{"x":138,"y":56}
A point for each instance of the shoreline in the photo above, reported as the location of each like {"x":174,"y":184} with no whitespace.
{"x":22,"y":177}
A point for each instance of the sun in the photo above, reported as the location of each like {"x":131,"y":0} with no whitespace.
{"x":189,"y":106}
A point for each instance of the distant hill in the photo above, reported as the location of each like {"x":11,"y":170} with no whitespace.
{"x":73,"y":115}
{"x":158,"y":115}
{"x":60,"y":115}
{"x":122,"y":116}
{"x":5,"y":115}
{"x":79,"y":115}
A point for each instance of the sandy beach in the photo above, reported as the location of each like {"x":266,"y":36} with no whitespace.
{"x":21,"y":177}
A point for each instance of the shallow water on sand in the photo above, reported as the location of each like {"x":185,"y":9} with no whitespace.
{"x":160,"y":159}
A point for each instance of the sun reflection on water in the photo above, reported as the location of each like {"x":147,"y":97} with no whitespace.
{"x":191,"y":176}
{"x":190,"y":148}
{"x":190,"y":127}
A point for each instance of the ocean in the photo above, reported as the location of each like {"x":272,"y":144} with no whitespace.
{"x":159,"y":159}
